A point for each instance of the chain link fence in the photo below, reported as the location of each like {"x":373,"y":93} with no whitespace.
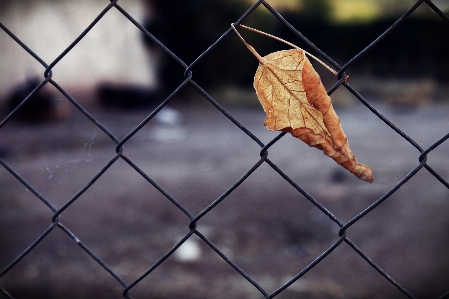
{"x":263,"y":158}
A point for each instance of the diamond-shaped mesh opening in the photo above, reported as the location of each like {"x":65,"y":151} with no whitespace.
{"x":54,"y":263}
{"x":265,"y":215}
{"x":183,"y":277}
{"x":22,"y":214}
{"x":61,"y":156}
{"x":343,"y":274}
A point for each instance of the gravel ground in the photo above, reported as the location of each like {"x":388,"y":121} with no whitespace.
{"x":265,"y":226}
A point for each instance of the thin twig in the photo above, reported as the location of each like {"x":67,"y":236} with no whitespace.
{"x":288,"y":43}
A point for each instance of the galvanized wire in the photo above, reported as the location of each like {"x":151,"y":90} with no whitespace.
{"x":264,"y":156}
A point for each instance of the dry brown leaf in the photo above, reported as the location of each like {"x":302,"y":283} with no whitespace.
{"x":295,"y":101}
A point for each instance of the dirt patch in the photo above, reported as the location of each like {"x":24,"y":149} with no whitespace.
{"x":265,"y":226}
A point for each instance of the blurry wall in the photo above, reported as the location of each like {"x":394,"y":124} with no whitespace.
{"x":112,"y":51}
{"x":115,"y":50}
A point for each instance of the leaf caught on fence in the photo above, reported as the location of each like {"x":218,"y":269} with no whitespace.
{"x":295,"y":101}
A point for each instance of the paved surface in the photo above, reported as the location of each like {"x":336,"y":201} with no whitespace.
{"x":265,"y":225}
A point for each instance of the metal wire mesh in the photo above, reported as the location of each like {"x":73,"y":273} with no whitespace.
{"x":120,"y":154}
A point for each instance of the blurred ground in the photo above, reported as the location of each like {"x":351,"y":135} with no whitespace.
{"x":269,"y":229}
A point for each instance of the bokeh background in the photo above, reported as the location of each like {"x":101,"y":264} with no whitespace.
{"x":195,"y":153}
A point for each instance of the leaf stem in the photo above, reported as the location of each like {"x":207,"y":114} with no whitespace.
{"x":285,"y":42}
{"x":250,"y":48}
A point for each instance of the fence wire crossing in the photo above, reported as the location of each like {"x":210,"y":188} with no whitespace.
{"x":120,"y":154}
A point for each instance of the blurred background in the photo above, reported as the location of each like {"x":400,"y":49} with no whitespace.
{"x":196,"y":153}
{"x":188,"y":28}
